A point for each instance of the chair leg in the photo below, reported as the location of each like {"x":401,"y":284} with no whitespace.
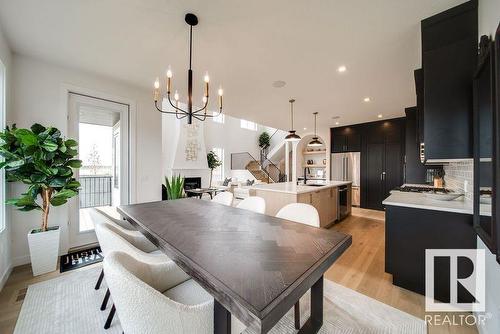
{"x":99,"y":280}
{"x":110,"y":317}
{"x":105,"y":300}
{"x":297,"y":315}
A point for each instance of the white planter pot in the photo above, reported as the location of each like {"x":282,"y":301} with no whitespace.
{"x":44,"y":250}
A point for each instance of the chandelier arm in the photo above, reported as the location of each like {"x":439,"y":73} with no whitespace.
{"x":198,"y":117}
{"x":176,"y":108}
{"x":204,"y":107}
{"x":163,"y":111}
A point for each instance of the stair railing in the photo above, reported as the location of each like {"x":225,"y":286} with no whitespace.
{"x":243,"y":159}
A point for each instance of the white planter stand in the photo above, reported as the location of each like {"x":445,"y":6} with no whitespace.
{"x":44,"y":250}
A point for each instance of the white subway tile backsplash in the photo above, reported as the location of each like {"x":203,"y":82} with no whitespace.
{"x":456,"y":173}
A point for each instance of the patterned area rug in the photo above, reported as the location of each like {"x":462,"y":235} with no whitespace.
{"x":69,"y":304}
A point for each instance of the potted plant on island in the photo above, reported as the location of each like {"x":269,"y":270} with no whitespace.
{"x":213,"y":163}
{"x":174,"y":187}
{"x":43,"y":160}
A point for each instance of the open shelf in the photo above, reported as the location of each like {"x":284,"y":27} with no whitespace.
{"x":314,"y":152}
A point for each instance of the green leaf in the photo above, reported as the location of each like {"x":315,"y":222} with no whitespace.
{"x":15,"y":163}
{"x":57,"y":182}
{"x":65,"y":193}
{"x":26,"y":136}
{"x":37,"y":128}
{"x":56,"y":201}
{"x":73,"y":184}
{"x":37,"y":177}
{"x":75,"y":163}
{"x":64,"y":171}
{"x":71,"y":143}
{"x":49,"y":145}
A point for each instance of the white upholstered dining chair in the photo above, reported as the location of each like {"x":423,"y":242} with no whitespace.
{"x":157,"y":298}
{"x":304,"y":214}
{"x":224,"y":197}
{"x":300,"y":213}
{"x":253,"y":203}
{"x":112,"y":214}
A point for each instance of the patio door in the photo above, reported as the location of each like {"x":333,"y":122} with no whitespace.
{"x":101,"y":129}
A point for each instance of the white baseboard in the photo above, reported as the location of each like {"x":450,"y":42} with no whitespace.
{"x":5,"y":276}
{"x":20,"y":260}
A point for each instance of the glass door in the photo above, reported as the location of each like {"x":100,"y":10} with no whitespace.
{"x":101,"y":128}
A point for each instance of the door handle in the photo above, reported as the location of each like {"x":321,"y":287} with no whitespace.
{"x":383,"y":175}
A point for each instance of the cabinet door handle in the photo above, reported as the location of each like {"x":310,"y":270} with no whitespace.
{"x":383,"y":175}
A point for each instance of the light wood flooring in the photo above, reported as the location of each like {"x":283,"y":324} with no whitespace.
{"x":360,"y":268}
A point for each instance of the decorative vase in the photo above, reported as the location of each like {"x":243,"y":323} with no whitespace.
{"x":44,"y":250}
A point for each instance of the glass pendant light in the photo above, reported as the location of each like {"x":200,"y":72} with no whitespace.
{"x":292,"y":136}
{"x":315,"y":141}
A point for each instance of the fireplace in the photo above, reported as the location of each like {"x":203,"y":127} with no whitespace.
{"x":192,"y":183}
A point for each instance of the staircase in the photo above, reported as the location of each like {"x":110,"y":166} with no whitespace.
{"x":266,"y":171}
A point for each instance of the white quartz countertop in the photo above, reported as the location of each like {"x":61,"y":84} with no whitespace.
{"x":293,"y":188}
{"x":420,"y":201}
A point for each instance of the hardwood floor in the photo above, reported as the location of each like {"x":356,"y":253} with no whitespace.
{"x":360,"y":268}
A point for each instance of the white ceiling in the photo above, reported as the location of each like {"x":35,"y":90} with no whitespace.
{"x":245,"y":46}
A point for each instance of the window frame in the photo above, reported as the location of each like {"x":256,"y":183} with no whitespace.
{"x":248,"y":125}
{"x":3,"y":106}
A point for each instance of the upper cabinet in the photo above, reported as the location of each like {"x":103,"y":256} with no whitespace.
{"x":345,"y":139}
{"x":449,"y":58}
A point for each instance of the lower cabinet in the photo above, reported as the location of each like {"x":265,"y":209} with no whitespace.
{"x":325,"y":201}
{"x":410,"y":231}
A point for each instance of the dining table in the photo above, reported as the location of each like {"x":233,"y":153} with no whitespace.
{"x":255,"y":266}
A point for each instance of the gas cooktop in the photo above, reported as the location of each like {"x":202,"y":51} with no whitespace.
{"x":421,"y":188}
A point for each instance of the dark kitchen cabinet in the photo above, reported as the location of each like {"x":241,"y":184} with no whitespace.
{"x":382,"y":157}
{"x":346,"y":139}
{"x":449,"y":52}
{"x":419,"y":110}
{"x":414,"y":171}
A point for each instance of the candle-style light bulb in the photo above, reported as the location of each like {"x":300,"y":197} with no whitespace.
{"x":204,"y":99}
{"x":221,"y":92}
{"x":156,"y":91}
{"x":176,"y":96}
{"x":169,"y":73}
{"x":207,"y":78}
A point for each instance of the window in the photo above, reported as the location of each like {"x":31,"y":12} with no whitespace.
{"x":218,"y":173}
{"x":219,"y":118}
{"x":2,"y":126}
{"x":248,"y":125}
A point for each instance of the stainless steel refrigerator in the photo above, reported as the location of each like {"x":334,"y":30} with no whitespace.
{"x":345,"y":167}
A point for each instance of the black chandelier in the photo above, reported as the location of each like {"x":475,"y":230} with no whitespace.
{"x":199,"y":114}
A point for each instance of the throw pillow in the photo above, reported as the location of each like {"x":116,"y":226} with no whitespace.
{"x":226,"y":181}
{"x":250,"y":183}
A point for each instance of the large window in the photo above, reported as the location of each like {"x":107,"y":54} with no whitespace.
{"x":2,"y":126}
{"x":218,"y":173}
{"x":248,"y":125}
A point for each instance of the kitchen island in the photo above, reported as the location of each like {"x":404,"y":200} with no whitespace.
{"x":324,"y":196}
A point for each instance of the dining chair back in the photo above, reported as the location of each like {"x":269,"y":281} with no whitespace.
{"x":154,"y":298}
{"x":253,"y":203}
{"x":300,"y":213}
{"x":224,"y":197}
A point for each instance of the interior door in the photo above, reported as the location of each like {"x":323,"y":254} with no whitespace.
{"x":374,"y":176}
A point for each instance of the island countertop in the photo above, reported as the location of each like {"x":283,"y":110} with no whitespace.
{"x":293,"y":188}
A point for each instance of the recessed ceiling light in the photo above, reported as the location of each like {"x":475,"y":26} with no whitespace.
{"x":305,"y":128}
{"x":341,"y":69}
{"x":279,"y":84}
{"x":337,"y":123}
{"x":380,"y":116}
{"x":367,"y":99}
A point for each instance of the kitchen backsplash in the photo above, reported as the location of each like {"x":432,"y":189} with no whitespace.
{"x":456,"y":173}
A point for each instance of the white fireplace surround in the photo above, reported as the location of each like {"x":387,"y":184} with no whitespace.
{"x":203,"y":173}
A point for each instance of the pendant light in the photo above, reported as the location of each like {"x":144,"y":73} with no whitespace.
{"x":315,"y":142}
{"x":292,"y":136}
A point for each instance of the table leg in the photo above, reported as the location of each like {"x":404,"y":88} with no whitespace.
{"x":222,"y":319}
{"x":211,"y":197}
{"x":315,"y":322}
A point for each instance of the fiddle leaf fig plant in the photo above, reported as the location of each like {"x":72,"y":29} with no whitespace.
{"x":43,"y":160}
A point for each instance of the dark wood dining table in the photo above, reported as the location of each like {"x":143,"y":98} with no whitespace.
{"x":255,"y":266}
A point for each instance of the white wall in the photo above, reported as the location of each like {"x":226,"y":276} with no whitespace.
{"x":39,"y":96}
{"x":489,"y":18}
{"x":5,"y":240}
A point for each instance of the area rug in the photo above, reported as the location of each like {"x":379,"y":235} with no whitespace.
{"x":69,"y":304}
{"x":80,"y":259}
